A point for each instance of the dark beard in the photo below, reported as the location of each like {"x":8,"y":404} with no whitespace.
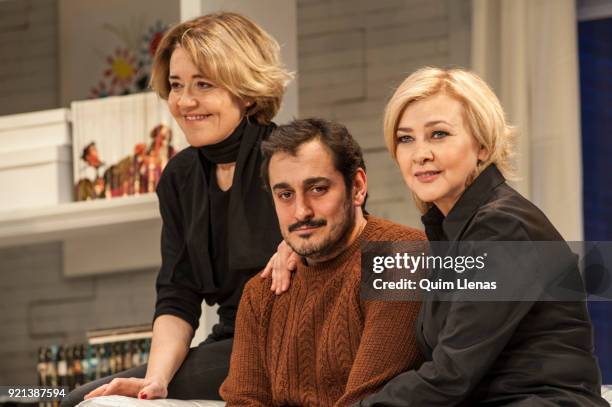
{"x":337,"y":239}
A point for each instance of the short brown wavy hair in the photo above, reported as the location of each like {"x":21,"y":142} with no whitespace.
{"x":233,"y":52}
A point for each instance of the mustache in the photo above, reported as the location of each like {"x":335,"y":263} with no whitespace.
{"x":311,"y":223}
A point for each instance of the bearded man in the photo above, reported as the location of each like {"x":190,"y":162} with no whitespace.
{"x":320,"y":343}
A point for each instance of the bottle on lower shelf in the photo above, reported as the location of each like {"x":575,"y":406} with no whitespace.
{"x":71,"y":366}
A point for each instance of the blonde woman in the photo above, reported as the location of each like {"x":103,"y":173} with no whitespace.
{"x":447,"y":132}
{"x":223,"y":81}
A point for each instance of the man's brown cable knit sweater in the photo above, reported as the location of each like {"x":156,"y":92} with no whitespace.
{"x":318,"y":344}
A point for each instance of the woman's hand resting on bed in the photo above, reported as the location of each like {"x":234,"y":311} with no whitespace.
{"x":132,"y":387}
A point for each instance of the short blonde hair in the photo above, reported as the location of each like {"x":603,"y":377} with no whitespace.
{"x":483,"y":114}
{"x":233,"y":52}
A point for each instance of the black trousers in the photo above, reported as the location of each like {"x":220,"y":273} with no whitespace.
{"x":198,"y":378}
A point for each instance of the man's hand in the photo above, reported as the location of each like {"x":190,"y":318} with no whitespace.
{"x":280,"y":266}
{"x":132,"y":387}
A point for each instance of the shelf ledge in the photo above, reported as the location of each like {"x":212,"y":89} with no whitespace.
{"x":98,"y":236}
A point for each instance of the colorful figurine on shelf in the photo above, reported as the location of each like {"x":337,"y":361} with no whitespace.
{"x":92,"y":186}
{"x":133,"y":175}
{"x":116,"y":178}
{"x":159,"y":152}
{"x":139,"y":168}
{"x":161,"y":145}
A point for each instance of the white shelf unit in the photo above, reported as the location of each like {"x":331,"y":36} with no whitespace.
{"x":98,"y":237}
{"x":102,"y":236}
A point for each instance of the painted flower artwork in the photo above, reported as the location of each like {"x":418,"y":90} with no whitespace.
{"x":151,"y":40}
{"x":128,"y":67}
{"x":122,"y":69}
{"x":101,"y":90}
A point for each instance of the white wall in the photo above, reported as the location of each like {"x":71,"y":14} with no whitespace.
{"x":353,"y":53}
{"x":28,"y":51}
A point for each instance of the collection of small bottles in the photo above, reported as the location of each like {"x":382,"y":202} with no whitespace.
{"x":72,"y":366}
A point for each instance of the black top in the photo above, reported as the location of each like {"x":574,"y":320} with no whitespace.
{"x":213,"y":241}
{"x":218,"y":246}
{"x":478,"y":353}
{"x":219,"y":202}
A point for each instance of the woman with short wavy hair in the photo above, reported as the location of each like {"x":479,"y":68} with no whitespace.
{"x":234,"y":51}
{"x":481,"y":113}
{"x":447,"y":131}
{"x":224,"y":82}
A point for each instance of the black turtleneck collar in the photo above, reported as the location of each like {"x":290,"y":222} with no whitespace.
{"x":440,"y":228}
{"x":225,"y":151}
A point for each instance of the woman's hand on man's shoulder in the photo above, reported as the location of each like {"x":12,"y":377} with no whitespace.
{"x":280,"y":266}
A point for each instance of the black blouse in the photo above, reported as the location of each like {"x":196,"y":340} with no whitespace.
{"x":212,"y":259}
{"x":501,"y":353}
{"x":219,"y":203}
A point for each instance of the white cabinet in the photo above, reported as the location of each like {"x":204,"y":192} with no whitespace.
{"x":35,"y":159}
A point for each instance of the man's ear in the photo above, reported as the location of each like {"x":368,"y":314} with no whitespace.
{"x":360,"y":187}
